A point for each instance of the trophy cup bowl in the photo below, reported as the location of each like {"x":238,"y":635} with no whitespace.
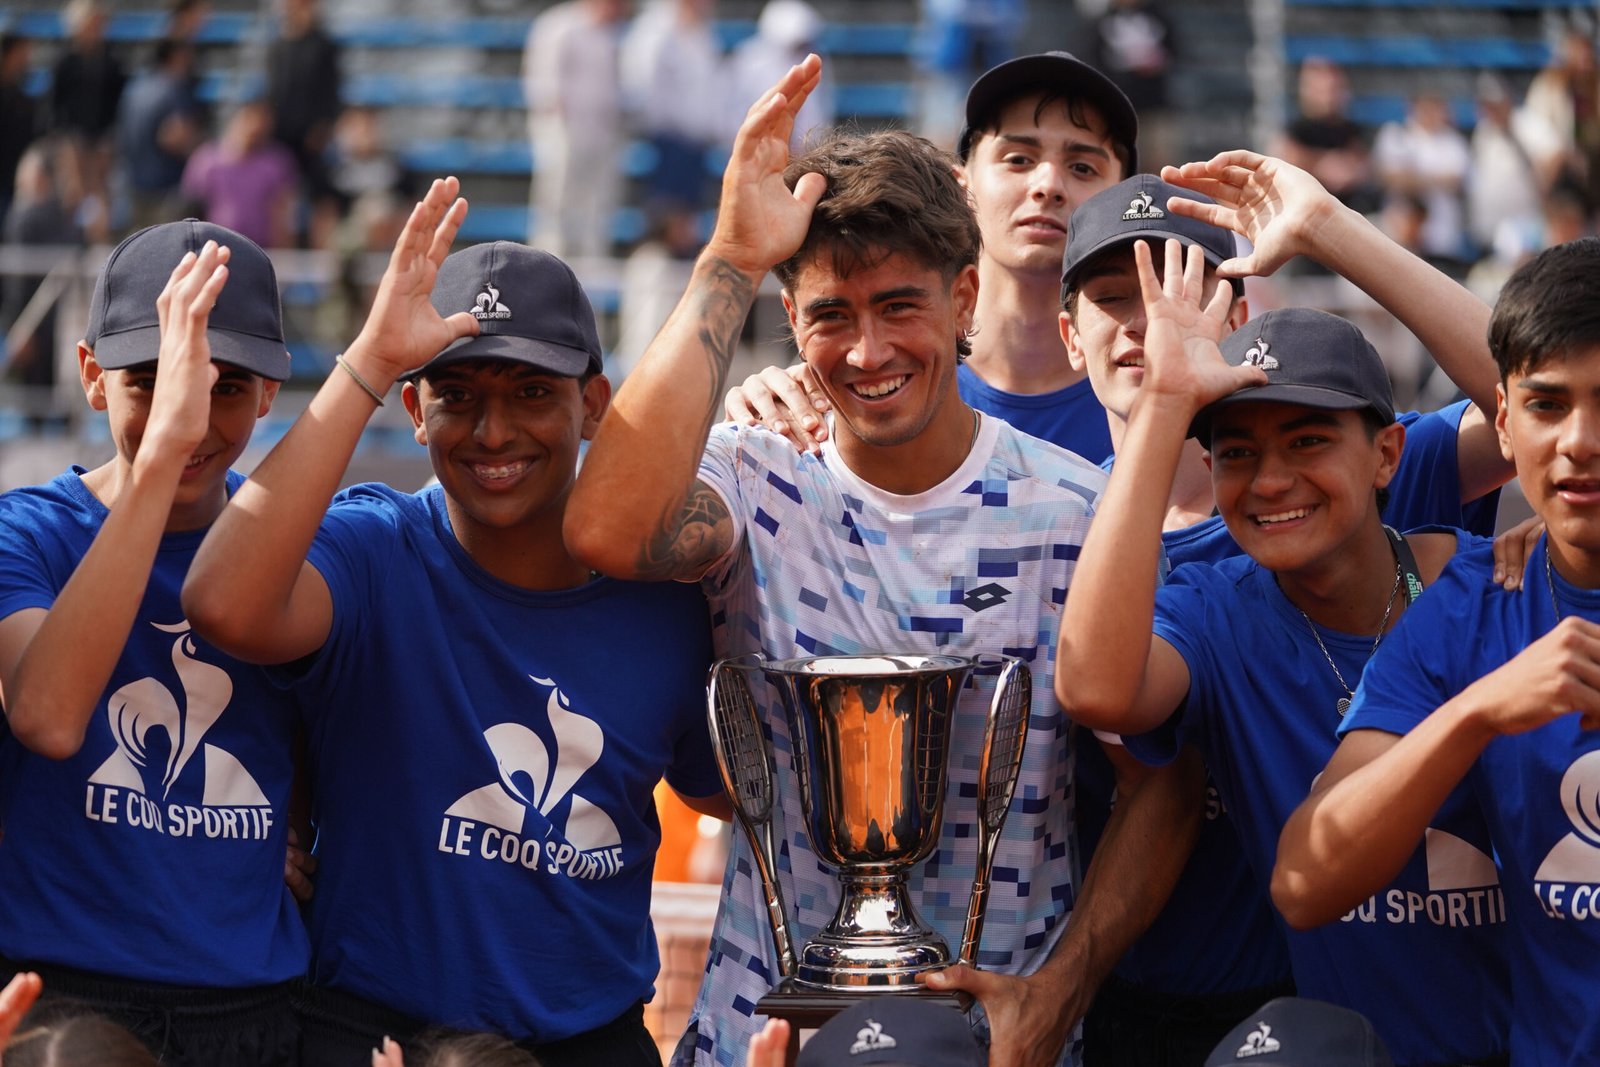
{"x":870,"y":742}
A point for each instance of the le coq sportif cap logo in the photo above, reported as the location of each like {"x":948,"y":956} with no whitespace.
{"x":1258,"y":356}
{"x":1259,"y":1043}
{"x":871,"y":1038}
{"x":1143,"y":207}
{"x":488,"y":304}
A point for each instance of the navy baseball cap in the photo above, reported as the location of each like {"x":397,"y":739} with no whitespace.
{"x":529,"y":306}
{"x":1051,"y":72}
{"x":1295,"y":1032}
{"x":894,"y":1029}
{"x":1133,"y":210}
{"x":245,"y":327}
{"x":1312,"y":358}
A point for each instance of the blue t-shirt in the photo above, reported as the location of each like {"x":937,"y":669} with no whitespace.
{"x":1069,"y":418}
{"x":1535,"y":789}
{"x":154,"y":854}
{"x":1218,"y":933}
{"x":484,"y":761}
{"x":1423,"y":958}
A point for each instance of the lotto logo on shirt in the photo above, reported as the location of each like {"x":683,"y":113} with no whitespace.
{"x":160,"y":743}
{"x":1568,"y":881}
{"x":490,"y":823}
{"x":1463,"y":889}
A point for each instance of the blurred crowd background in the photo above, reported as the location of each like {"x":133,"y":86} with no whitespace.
{"x":597,"y":129}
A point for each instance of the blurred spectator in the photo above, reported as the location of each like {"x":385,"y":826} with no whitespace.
{"x":158,"y":125}
{"x":1515,"y":156}
{"x":1566,"y":213}
{"x":653,"y":278}
{"x":303,"y":90}
{"x":19,"y":121}
{"x":36,"y":217}
{"x":185,"y":19}
{"x":673,"y":84}
{"x":1133,"y":45}
{"x":570,"y":82}
{"x":245,"y":180}
{"x":1566,"y":94}
{"x":1326,"y":141}
{"x":85,"y":88}
{"x":1427,"y":157}
{"x":374,"y":199}
{"x":785,"y":33}
{"x":957,"y":40}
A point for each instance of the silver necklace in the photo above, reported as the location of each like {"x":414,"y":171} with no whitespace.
{"x":1343,"y":703}
{"x":1550,"y":584}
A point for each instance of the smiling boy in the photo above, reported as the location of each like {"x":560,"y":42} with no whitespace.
{"x":145,"y":775}
{"x":447,"y":642}
{"x":1253,"y":659}
{"x":1496,"y":692}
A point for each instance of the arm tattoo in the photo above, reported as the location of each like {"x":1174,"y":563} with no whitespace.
{"x":683,"y":544}
{"x":724,"y":304}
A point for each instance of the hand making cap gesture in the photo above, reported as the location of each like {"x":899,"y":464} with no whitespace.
{"x":1183,"y":365}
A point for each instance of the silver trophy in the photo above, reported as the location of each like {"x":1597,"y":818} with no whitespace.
{"x":871,"y":741}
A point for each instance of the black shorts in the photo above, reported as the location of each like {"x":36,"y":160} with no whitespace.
{"x":338,"y":1030}
{"x":185,"y":1026}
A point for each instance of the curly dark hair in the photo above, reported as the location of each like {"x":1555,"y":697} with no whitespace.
{"x":888,"y":193}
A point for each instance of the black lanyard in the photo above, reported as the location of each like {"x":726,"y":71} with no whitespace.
{"x":1408,"y":564}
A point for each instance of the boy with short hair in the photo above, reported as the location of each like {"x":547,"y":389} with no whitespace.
{"x":1297,"y":411}
{"x":146,"y":775}
{"x":449,"y":641}
{"x":1479,"y":688}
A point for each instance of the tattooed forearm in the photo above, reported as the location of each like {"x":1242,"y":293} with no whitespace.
{"x":683,"y":543}
{"x":726,"y":293}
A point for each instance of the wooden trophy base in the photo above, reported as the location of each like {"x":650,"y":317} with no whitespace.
{"x":806,"y":1008}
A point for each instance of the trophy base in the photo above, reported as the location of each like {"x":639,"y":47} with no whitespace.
{"x":831,"y":963}
{"x":806,"y":1007}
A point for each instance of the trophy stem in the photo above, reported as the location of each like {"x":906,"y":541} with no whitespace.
{"x":876,"y":940}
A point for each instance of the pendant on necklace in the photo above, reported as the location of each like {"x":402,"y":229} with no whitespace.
{"x":1343,"y":704}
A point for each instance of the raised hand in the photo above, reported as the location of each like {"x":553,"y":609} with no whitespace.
{"x":180,"y":409}
{"x":760,"y":221}
{"x":403,"y":331}
{"x":1183,"y":364}
{"x":1277,"y":206}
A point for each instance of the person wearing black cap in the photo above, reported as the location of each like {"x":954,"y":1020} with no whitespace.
{"x":1043,"y":134}
{"x":446,"y":639}
{"x":1254,"y":659}
{"x":144,"y":774}
{"x":1216,"y":951}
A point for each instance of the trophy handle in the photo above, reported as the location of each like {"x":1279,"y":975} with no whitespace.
{"x":747,"y":775}
{"x":1003,"y":741}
